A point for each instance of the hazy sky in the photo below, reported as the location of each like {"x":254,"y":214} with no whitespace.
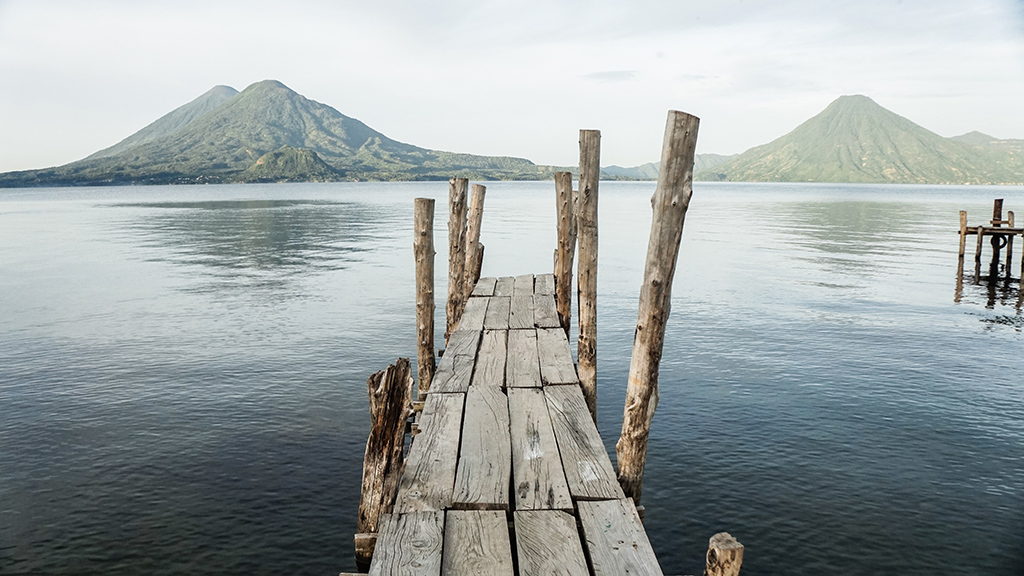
{"x":515,"y":78}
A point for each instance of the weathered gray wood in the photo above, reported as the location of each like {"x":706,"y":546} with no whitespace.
{"x":456,"y":251}
{"x":556,"y":365}
{"x":497,"y":313}
{"x":455,"y":370}
{"x":997,"y":219}
{"x":484,"y":287}
{"x":725,"y":556}
{"x":615,"y":539}
{"x":410,"y":545}
{"x":521,"y":312}
{"x":490,"y":361}
{"x":473,"y":246}
{"x":548,"y":544}
{"x":566,"y":250}
{"x":1009,"y":249}
{"x":505,"y":286}
{"x":423,"y":251}
{"x":523,"y":285}
{"x":538,"y":480}
{"x":544,"y":312}
{"x":522,"y":369}
{"x":588,"y":470}
{"x":429,"y":474}
{"x":476,"y":543}
{"x":544,"y":284}
{"x":473,"y":315}
{"x":390,"y":406}
{"x":586,"y":220}
{"x":670,"y":201}
{"x":485,"y":458}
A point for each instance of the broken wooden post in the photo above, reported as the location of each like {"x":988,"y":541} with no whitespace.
{"x":586,"y":298}
{"x":473,"y":245}
{"x":670,"y":201}
{"x":1009,"y":247}
{"x":566,"y":248}
{"x":725,"y":556}
{"x":423,"y":249}
{"x":997,"y":222}
{"x":389,"y":392}
{"x":963,"y":244}
{"x":456,"y":252}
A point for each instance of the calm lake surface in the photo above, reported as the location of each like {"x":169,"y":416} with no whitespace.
{"x":183,"y":372}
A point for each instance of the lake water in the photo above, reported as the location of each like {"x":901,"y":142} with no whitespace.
{"x":182,"y":373}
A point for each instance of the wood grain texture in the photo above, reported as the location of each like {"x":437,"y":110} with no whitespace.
{"x":523,"y":285}
{"x":476,"y":543}
{"x":588,"y":470}
{"x":429,"y":475}
{"x":586,"y":267}
{"x":566,"y":250}
{"x":615,"y":539}
{"x":544,"y":313}
{"x":556,"y":365}
{"x":548,"y":544}
{"x":725,"y":556}
{"x":538,"y":480}
{"x":423,"y":251}
{"x":455,"y":368}
{"x":473,"y":315}
{"x":522,"y":369}
{"x":490,"y":361}
{"x":497,"y":313}
{"x":670,"y":201}
{"x":456,"y":252}
{"x":485,"y":457}
{"x":409,"y":544}
{"x":544,"y":284}
{"x":505,"y":286}
{"x":521,"y":312}
{"x":484,"y":287}
{"x":475,"y":218}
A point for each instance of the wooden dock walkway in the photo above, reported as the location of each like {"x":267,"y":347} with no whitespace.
{"x":507,"y":473}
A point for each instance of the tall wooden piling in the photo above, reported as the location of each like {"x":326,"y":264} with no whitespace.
{"x":566,"y":248}
{"x":725,"y":556}
{"x":389,"y":393}
{"x":473,"y":245}
{"x":586,"y":221}
{"x":671,"y":199}
{"x":423,"y":249}
{"x":997,"y":222}
{"x":1009,"y":247}
{"x":963,"y":245}
{"x":456,"y":252}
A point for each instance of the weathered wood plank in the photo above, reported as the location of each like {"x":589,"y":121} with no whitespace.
{"x":473,"y":315}
{"x":548,"y":544}
{"x":615,"y":539}
{"x":544,"y":313}
{"x":523,"y":285}
{"x":455,"y":368}
{"x":490,"y":362}
{"x":522,"y":369}
{"x":520,"y":312}
{"x":429,"y":475}
{"x":544,"y":284}
{"x":409,"y":544}
{"x":556,"y":365}
{"x":588,"y":470}
{"x":485,"y":458}
{"x":497,"y":313}
{"x":485,"y":287}
{"x":476,"y":543}
{"x":505,"y":286}
{"x":538,"y":480}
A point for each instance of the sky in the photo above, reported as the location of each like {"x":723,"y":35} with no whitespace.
{"x":516,"y":78}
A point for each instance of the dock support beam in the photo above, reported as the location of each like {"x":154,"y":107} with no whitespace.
{"x":566,"y":248}
{"x":456,"y":252}
{"x":670,"y":201}
{"x":474,"y":249}
{"x":423,"y":249}
{"x":586,"y":218}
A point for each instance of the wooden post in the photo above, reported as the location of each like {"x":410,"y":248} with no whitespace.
{"x":997,"y":218}
{"x":963,"y":244}
{"x":977,"y":254}
{"x":1009,"y":247}
{"x":586,"y":298}
{"x":389,"y":392}
{"x":725,"y":556}
{"x":671,"y":199}
{"x":423,"y":248}
{"x":456,"y":252}
{"x":566,"y":248}
{"x":473,"y":245}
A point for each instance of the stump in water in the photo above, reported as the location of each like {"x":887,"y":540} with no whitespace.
{"x":725,"y":556}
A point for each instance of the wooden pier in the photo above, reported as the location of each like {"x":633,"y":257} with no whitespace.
{"x":1000,"y":232}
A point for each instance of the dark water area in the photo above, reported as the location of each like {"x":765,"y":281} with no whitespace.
{"x":182,"y":372}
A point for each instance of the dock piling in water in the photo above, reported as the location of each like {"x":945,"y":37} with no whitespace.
{"x":456,"y":252}
{"x":474,"y":249}
{"x":423,"y":249}
{"x":586,"y":227}
{"x":566,"y":248}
